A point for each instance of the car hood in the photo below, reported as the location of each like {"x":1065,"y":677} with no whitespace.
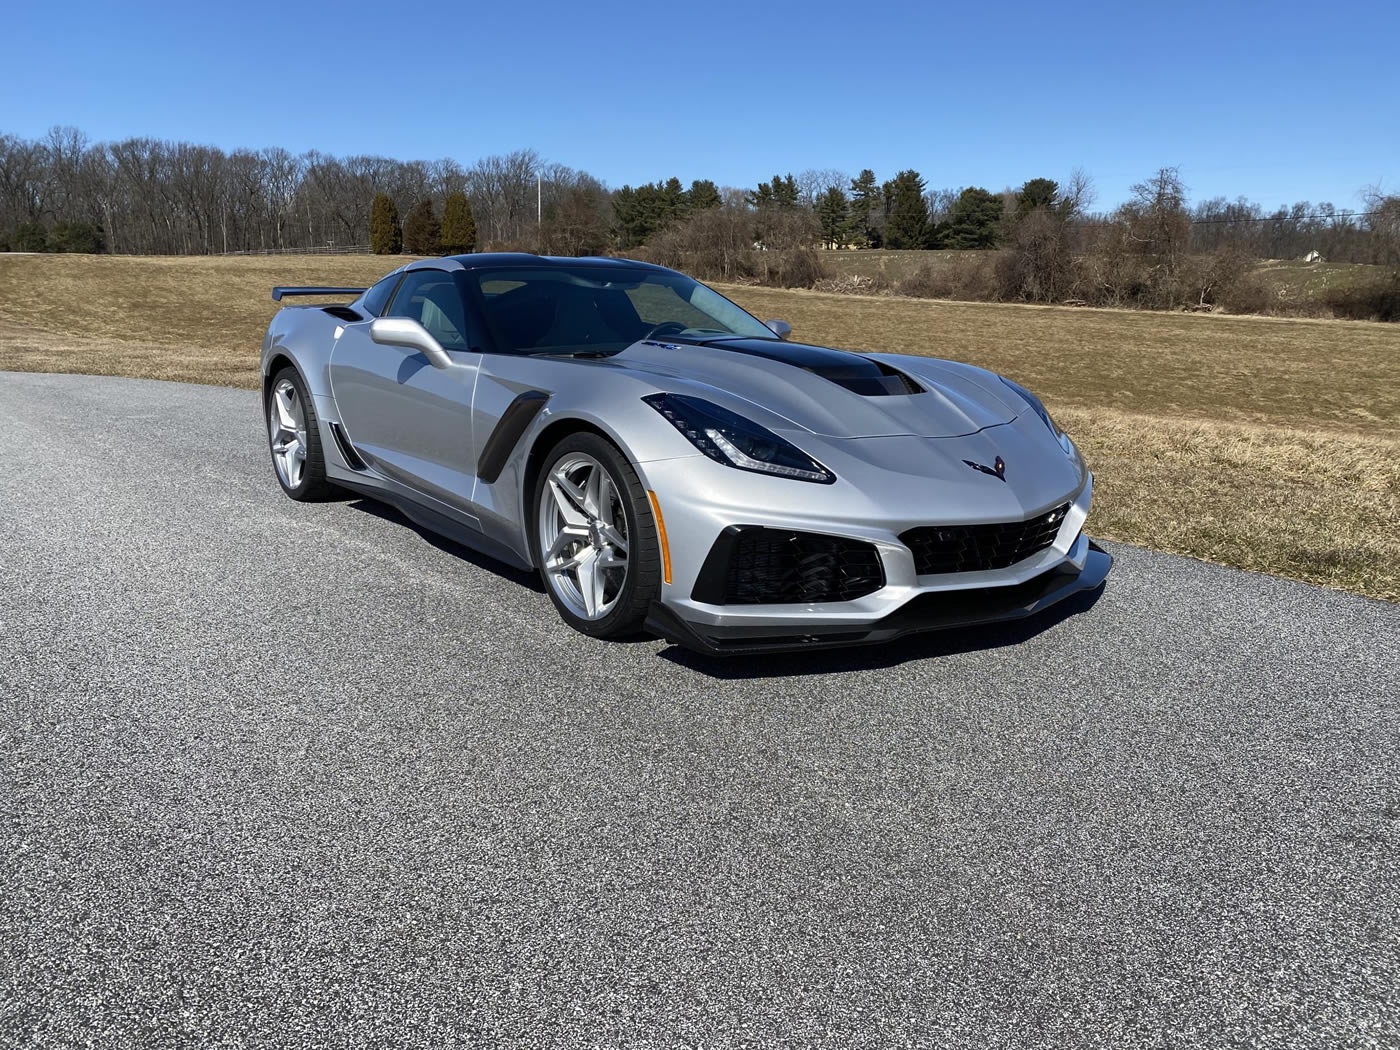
{"x":834,"y":393}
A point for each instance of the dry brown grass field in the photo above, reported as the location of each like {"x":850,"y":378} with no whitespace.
{"x":1264,"y":443}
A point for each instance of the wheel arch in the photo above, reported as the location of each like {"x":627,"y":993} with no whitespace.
{"x":549,"y":436}
{"x":275,"y":364}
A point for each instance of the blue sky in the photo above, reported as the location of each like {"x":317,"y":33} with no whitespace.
{"x":1277,"y":101}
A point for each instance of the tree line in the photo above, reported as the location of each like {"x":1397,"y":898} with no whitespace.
{"x":62,"y":192}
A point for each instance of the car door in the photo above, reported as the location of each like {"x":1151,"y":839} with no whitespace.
{"x":410,"y":421}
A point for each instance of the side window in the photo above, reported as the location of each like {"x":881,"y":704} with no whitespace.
{"x":431,"y":298}
{"x":378,"y":297}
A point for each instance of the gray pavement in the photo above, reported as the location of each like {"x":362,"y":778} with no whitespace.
{"x":286,"y":775}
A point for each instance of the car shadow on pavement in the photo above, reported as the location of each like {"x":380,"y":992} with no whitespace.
{"x":442,"y":543}
{"x":949,"y":642}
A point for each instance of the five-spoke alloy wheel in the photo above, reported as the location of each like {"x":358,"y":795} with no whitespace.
{"x":596,"y":541}
{"x":286,"y":424}
{"x":294,"y":438}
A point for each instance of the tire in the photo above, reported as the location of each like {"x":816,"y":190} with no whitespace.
{"x":294,"y":439}
{"x":617,"y":603}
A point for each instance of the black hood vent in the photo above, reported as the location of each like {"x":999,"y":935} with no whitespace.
{"x":856,"y":372}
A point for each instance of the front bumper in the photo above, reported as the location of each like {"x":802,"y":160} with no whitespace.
{"x":929,"y":611}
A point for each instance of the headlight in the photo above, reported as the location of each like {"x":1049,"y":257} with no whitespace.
{"x":1039,"y":407}
{"x":735,"y":441}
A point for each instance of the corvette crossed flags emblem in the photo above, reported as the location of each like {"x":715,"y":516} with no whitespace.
{"x":996,"y":470}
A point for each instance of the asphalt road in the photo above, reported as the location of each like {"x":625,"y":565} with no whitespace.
{"x":296,"y":775}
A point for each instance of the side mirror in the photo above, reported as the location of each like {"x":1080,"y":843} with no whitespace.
{"x":780,"y":328}
{"x":409,"y":334}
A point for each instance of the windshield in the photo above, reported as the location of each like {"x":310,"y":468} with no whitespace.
{"x":602,"y":309}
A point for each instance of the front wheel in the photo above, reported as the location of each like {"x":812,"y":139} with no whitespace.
{"x":595,"y":539}
{"x":293,"y":437}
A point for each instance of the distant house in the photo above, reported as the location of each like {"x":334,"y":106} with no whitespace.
{"x":1313,"y":256}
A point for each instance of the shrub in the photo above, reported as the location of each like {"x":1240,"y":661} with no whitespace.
{"x":31,"y":237}
{"x":1038,"y":267}
{"x":927,"y":283}
{"x":1246,"y":296}
{"x":793,"y":268}
{"x":715,"y":244}
{"x":964,"y":276}
{"x":1217,"y":279}
{"x":83,"y":237}
{"x":1375,"y":301}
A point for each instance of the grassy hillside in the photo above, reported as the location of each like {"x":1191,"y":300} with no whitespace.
{"x":1291,"y":287}
{"x":1265,"y":443}
{"x":894,"y":266}
{"x":1292,"y":281}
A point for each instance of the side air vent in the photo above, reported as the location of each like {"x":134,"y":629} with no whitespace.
{"x":344,"y":313}
{"x":347,"y":450}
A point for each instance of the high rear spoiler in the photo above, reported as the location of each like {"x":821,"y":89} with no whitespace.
{"x":278,"y":292}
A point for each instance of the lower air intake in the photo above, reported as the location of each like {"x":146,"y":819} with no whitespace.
{"x":751,"y":565}
{"x":973,"y":548}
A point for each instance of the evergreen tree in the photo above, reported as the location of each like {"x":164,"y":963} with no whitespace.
{"x":422,"y":233}
{"x":1036,"y":193}
{"x":907,"y":226}
{"x":781,"y":192}
{"x":865,"y":198}
{"x":458,"y":226}
{"x":972,"y":223}
{"x":703,"y":194}
{"x":640,"y":212}
{"x":624,"y":209}
{"x":785,"y":191}
{"x":833,"y":218}
{"x":645,"y":210}
{"x":674,"y":204}
{"x":385,"y":234}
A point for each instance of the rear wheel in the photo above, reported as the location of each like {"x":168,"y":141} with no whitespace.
{"x":294,"y":438}
{"x":595,"y":540}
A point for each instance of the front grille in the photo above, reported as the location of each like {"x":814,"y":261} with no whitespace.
{"x":750,"y":565}
{"x":971,"y":548}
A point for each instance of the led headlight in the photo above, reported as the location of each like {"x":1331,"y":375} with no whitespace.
{"x":735,"y":441}
{"x":1039,"y":408}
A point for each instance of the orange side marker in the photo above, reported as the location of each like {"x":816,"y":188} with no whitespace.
{"x":661,"y":533}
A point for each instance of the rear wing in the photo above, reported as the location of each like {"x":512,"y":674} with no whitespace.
{"x":279,"y":292}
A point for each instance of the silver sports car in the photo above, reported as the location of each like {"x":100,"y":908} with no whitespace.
{"x":668,"y":462}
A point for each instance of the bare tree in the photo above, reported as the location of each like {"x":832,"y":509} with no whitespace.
{"x":504,"y":191}
{"x":1383,"y":222}
{"x":1077,"y":194}
{"x":1156,"y":217}
{"x":814,"y":182}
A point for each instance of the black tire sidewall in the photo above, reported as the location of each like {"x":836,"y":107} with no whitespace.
{"x":313,"y":473}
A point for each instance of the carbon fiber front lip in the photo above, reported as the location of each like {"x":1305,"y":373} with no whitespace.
{"x":929,"y":612}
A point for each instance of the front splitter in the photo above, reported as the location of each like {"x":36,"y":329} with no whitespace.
{"x":936,"y":611}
